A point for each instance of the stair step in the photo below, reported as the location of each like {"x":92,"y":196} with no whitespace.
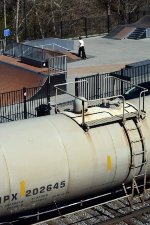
{"x":135,"y":141}
{"x":131,"y":129}
{"x":139,"y":153}
{"x":140,"y":175}
{"x":139,"y":165}
{"x":139,"y":186}
{"x":138,"y":33}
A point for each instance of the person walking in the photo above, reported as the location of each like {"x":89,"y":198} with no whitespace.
{"x":81,"y":52}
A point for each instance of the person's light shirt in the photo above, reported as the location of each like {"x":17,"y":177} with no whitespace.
{"x":81,"y":43}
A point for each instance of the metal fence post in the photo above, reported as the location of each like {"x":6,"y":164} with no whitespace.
{"x":108,"y":23}
{"x":76,"y":87}
{"x":85,"y":24}
{"x":122,"y":92}
{"x":3,"y":46}
{"x":48,"y":94}
{"x":21,"y":50}
{"x":25,"y":102}
{"x":43,"y":55}
{"x":108,"y":18}
{"x":61,"y":29}
{"x":129,"y":17}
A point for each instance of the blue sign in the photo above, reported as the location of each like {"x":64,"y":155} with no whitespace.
{"x":6,"y":32}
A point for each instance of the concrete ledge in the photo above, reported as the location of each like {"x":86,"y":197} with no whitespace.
{"x":136,"y":64}
{"x":34,"y":62}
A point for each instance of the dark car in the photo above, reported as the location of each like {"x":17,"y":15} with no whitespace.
{"x":134,"y":92}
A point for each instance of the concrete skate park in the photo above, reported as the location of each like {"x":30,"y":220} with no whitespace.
{"x":109,"y":52}
{"x":105,"y":55}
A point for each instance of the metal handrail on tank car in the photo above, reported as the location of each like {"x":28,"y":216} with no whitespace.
{"x":144,"y":90}
{"x":57,"y":88}
{"x":101,"y":99}
{"x":83,"y":101}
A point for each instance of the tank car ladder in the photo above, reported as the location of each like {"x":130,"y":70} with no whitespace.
{"x":142,"y":166}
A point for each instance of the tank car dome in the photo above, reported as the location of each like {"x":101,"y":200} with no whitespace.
{"x":77,"y":105}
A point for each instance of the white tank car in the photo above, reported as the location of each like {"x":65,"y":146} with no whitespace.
{"x":52,"y":158}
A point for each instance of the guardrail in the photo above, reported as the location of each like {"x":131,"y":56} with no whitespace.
{"x":99,"y":101}
{"x":43,"y":43}
{"x":24,"y":103}
{"x":19,"y":50}
{"x":136,"y":75}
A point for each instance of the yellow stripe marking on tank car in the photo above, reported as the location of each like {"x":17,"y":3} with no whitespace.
{"x":108,"y":163}
{"x":22,"y":188}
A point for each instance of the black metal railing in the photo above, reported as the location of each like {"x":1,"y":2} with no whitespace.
{"x":29,"y":102}
{"x":1,"y":46}
{"x":103,"y":85}
{"x":24,"y":103}
{"x":19,"y":50}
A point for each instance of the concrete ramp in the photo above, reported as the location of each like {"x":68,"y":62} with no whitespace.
{"x":123,"y":31}
{"x":13,"y":77}
{"x":71,"y":57}
{"x":120,"y":32}
{"x":144,"y":22}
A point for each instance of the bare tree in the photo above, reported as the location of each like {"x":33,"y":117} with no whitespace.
{"x":44,"y":16}
{"x":17,"y":20}
{"x":39,"y":22}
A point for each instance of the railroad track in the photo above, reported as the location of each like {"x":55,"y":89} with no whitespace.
{"x":117,"y":212}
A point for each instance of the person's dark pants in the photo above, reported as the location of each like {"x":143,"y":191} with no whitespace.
{"x":82,"y":52}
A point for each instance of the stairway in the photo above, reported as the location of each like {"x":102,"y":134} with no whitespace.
{"x":137,"y":34}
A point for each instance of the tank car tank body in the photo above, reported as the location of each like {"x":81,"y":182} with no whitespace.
{"x":52,"y":158}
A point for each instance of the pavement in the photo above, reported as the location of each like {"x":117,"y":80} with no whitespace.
{"x":107,"y":55}
{"x":103,"y":56}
